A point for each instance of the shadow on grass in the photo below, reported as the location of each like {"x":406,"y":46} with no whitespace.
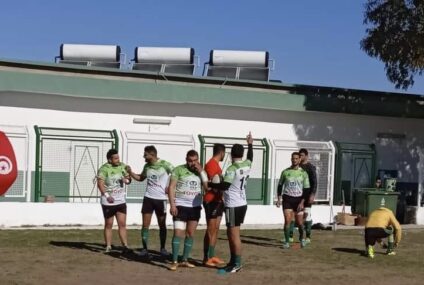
{"x":260,"y":238}
{"x":154,"y":257}
{"x":259,"y":241}
{"x":350,"y":250}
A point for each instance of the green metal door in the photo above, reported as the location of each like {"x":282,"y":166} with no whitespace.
{"x":355,"y":168}
{"x":362,"y":171}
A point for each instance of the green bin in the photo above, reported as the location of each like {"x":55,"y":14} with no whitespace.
{"x":367,"y":200}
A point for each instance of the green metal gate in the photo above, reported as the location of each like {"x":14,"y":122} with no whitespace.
{"x":355,"y":168}
{"x":257,"y":186}
{"x":67,"y":161}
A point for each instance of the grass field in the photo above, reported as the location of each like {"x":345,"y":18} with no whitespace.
{"x":76,"y":257}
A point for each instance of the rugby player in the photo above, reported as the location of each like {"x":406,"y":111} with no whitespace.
{"x":234,"y":187}
{"x":214,"y":207}
{"x":382,"y":223}
{"x":111,"y":178}
{"x":290,"y":192}
{"x":185,"y":199}
{"x":156,"y":171}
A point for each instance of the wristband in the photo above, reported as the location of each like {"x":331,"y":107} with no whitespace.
{"x":106,"y":195}
{"x":204,"y":176}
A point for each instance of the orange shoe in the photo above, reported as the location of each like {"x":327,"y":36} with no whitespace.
{"x":209,"y":263}
{"x":218,"y":261}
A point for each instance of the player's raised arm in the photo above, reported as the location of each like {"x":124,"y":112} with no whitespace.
{"x":249,"y":140}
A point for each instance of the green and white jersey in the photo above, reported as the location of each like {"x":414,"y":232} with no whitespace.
{"x":293,"y":181}
{"x":113,"y":180}
{"x":188,"y":192}
{"x":157,"y":176}
{"x":237,"y":174}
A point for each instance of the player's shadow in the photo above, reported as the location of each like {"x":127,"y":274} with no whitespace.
{"x":350,"y":250}
{"x":259,"y":241}
{"x":154,"y":257}
{"x":260,"y":238}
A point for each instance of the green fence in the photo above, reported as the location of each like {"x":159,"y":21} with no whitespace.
{"x":67,"y":161}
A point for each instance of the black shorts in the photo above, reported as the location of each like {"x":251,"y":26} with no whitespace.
{"x":291,"y":203}
{"x":307,"y":194}
{"x":153,"y":205}
{"x":110,"y":211}
{"x":372,"y":234}
{"x":234,"y":216}
{"x":186,"y":214}
{"x":213,"y":209}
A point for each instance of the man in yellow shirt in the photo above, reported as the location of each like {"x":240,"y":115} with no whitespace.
{"x":381,"y":224}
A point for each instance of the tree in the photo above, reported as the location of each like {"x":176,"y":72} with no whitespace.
{"x":395,"y":35}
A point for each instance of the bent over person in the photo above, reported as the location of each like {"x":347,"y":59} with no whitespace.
{"x":157,"y":172}
{"x":185,"y":198}
{"x":382,"y":223}
{"x":111,"y":178}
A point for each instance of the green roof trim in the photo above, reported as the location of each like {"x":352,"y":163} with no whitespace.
{"x":115,"y":84}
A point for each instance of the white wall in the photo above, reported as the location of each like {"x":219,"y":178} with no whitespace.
{"x":90,"y":214}
{"x":403,"y":154}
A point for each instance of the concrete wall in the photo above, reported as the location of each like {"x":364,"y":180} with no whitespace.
{"x":403,"y":154}
{"x":89,"y":214}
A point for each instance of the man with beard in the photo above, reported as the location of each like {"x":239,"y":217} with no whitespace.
{"x":185,"y":198}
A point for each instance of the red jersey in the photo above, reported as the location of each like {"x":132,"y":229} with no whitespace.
{"x":212,"y":168}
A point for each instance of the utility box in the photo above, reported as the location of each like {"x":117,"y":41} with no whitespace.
{"x":366,"y":200}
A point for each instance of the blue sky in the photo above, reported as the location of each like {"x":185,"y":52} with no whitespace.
{"x":312,"y":42}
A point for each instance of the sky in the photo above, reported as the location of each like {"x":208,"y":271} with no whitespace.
{"x":312,"y":42}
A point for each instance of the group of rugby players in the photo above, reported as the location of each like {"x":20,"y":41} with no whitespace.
{"x":188,"y":186}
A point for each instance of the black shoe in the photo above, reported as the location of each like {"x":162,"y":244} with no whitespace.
{"x":233,"y":268}
{"x":126,"y":250}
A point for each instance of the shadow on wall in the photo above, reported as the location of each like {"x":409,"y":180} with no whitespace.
{"x":403,"y":153}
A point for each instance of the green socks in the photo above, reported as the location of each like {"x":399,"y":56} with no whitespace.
{"x":145,"y":237}
{"x":301,"y":230}
{"x":175,"y":248}
{"x":291,"y":230}
{"x":308,"y":228}
{"x":237,"y":260}
{"x":188,"y":244}
{"x":211,"y":251}
{"x":287,"y":234}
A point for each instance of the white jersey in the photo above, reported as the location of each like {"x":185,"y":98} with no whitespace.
{"x":157,"y":176}
{"x":237,"y":174}
{"x":188,"y":192}
{"x":113,"y":181}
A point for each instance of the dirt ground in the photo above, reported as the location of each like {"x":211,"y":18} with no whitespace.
{"x":76,"y":257}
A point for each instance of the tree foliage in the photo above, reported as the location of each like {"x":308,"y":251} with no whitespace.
{"x":395,"y":35}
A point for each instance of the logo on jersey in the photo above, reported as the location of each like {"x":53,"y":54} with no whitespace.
{"x":154,"y":177}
